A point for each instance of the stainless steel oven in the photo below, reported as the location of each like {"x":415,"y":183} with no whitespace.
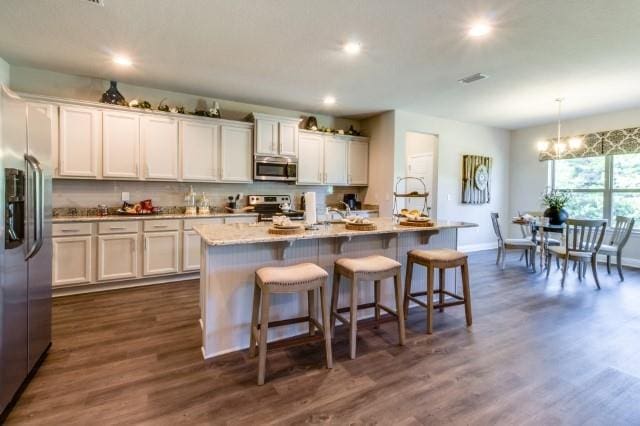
{"x":281,"y":169}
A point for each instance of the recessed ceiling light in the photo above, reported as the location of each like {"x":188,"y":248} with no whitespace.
{"x":479,"y":29}
{"x":122,"y":60}
{"x":329,"y":100}
{"x":352,"y":48}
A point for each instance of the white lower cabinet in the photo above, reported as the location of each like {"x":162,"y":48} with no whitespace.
{"x":117,"y":256}
{"x":190,"y":251}
{"x":160,"y":253}
{"x":71,"y":260}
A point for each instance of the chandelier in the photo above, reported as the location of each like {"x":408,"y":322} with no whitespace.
{"x":559,"y":147}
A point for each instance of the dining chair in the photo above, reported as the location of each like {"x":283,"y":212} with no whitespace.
{"x":583,"y":238}
{"x":619,"y":238}
{"x":541,"y":240}
{"x":504,"y":244}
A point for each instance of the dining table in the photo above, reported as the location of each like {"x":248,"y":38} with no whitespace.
{"x":544,"y":229}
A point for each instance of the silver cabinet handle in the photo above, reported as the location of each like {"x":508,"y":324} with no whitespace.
{"x":160,"y":226}
{"x":117,"y":228}
{"x":69,"y":230}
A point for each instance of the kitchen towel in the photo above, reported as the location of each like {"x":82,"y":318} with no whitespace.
{"x":310,"y":208}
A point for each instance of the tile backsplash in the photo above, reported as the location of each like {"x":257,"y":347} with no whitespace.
{"x":89,"y":193}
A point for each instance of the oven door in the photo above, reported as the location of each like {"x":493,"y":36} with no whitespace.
{"x":274,"y":168}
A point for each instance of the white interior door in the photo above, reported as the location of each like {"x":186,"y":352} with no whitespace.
{"x":420,"y":166}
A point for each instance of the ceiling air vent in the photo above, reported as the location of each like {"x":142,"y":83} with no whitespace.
{"x":96,"y":2}
{"x":473,"y":78}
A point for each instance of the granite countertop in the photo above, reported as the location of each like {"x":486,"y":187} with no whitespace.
{"x":67,"y":219}
{"x":231,"y":234}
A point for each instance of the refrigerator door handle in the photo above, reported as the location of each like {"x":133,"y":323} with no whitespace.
{"x":38,"y":205}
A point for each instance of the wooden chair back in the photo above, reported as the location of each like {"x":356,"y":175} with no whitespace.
{"x":622,"y":231}
{"x":584,"y":235}
{"x":496,"y":227}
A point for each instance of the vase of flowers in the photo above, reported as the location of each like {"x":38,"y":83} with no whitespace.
{"x":555,"y":201}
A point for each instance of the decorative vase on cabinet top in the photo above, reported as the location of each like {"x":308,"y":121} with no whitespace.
{"x":113,"y":96}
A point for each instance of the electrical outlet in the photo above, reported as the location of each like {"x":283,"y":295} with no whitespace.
{"x":125,"y":197}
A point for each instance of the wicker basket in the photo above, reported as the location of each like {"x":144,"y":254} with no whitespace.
{"x":361,"y":226}
{"x":417,"y":223}
{"x":286,"y":231}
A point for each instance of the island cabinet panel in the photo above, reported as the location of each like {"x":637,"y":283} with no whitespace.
{"x":358,"y":169}
{"x":288,"y":138}
{"x":159,"y":140}
{"x":335,"y":161}
{"x":310,"y":159}
{"x":117,"y":256}
{"x":190,"y":251}
{"x":80,"y":141}
{"x":200,"y":151}
{"x":120,"y":145}
{"x":266,"y":136}
{"x":71,"y":260}
{"x":236,"y":154}
{"x":160,"y":253}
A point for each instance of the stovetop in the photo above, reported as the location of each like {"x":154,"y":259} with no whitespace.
{"x":268,"y":206}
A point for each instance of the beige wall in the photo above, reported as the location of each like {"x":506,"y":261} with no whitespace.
{"x":4,"y":72}
{"x":529,"y":177}
{"x":381,"y":158}
{"x":49,"y":83}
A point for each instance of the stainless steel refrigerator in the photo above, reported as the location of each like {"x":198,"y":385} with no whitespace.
{"x":25,"y":254}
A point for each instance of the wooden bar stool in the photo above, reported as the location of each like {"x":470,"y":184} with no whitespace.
{"x":441,"y":259}
{"x":371,"y":268}
{"x":289,"y":279}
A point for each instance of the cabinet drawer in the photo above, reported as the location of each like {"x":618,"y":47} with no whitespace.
{"x":190,"y":223}
{"x":70,"y":229}
{"x":161,"y":225}
{"x":118,"y":227}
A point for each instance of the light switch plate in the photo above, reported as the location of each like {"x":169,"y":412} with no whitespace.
{"x":125,"y":196}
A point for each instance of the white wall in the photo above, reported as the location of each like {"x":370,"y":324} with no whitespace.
{"x":381,"y":155}
{"x":529,"y":177}
{"x":4,"y":72}
{"x":49,"y":83}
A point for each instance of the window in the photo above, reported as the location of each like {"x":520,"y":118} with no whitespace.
{"x":601,"y":186}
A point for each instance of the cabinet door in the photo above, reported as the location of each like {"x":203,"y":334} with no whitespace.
{"x":190,"y":251}
{"x":71,"y":260}
{"x":310,"y":159}
{"x":79,"y":142}
{"x":335,"y":161}
{"x":120,"y":144}
{"x":159,"y":140}
{"x":117,"y":256}
{"x":358,"y":163}
{"x":236,"y":155}
{"x":160,"y":253}
{"x":200,"y":147}
{"x":266,"y":137}
{"x":288,"y":139}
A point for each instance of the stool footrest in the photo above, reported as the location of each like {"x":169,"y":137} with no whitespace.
{"x":289,"y":321}
{"x":372,"y":322}
{"x":362,"y":306}
{"x":448,"y":293}
{"x":437,"y":305}
{"x":295,"y":341}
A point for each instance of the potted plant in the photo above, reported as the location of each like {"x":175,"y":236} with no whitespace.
{"x":555,"y":201}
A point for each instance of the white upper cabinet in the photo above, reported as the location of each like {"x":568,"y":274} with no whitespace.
{"x":159,"y":139}
{"x":266,"y":137}
{"x":335,"y":161}
{"x":276,"y":135}
{"x":358,"y":169}
{"x":236,"y":154}
{"x":288,"y":138}
{"x":80,"y":139}
{"x":200,"y":148}
{"x":120,"y":145}
{"x":310,"y":159}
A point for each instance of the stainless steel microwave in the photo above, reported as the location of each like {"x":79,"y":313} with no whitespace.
{"x":281,"y":169}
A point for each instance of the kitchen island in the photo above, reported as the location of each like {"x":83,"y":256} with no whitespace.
{"x":230,"y":255}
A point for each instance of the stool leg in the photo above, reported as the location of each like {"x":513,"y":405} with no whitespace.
{"x":376,"y":286}
{"x":311,"y":296}
{"x":325,"y":326}
{"x":254,"y":319}
{"x":399,"y":306}
{"x":467,"y":293}
{"x":442,"y":274}
{"x":264,"y":328}
{"x":353,"y":324}
{"x":335,"y":292}
{"x":407,"y":287}
{"x":430,"y":280}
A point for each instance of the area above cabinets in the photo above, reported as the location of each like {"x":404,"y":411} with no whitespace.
{"x":101,"y":143}
{"x":332,"y":159}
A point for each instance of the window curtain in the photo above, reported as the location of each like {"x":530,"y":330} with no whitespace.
{"x":624,"y":141}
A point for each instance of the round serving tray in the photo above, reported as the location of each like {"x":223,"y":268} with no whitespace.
{"x":361,"y":226}
{"x":417,"y":223}
{"x":286,"y":231}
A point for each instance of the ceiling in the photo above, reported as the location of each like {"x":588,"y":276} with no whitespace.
{"x":287,"y":53}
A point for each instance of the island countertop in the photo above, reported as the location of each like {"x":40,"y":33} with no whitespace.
{"x":233,"y":234}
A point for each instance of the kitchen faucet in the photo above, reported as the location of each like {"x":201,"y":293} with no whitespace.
{"x":345,"y":214}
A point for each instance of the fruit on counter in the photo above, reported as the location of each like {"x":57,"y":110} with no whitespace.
{"x":143,"y":207}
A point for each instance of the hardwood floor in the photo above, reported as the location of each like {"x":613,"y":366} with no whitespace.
{"x":536,"y":354}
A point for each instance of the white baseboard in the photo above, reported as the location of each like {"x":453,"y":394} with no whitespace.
{"x":469,"y":248}
{"x":626,"y":261}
